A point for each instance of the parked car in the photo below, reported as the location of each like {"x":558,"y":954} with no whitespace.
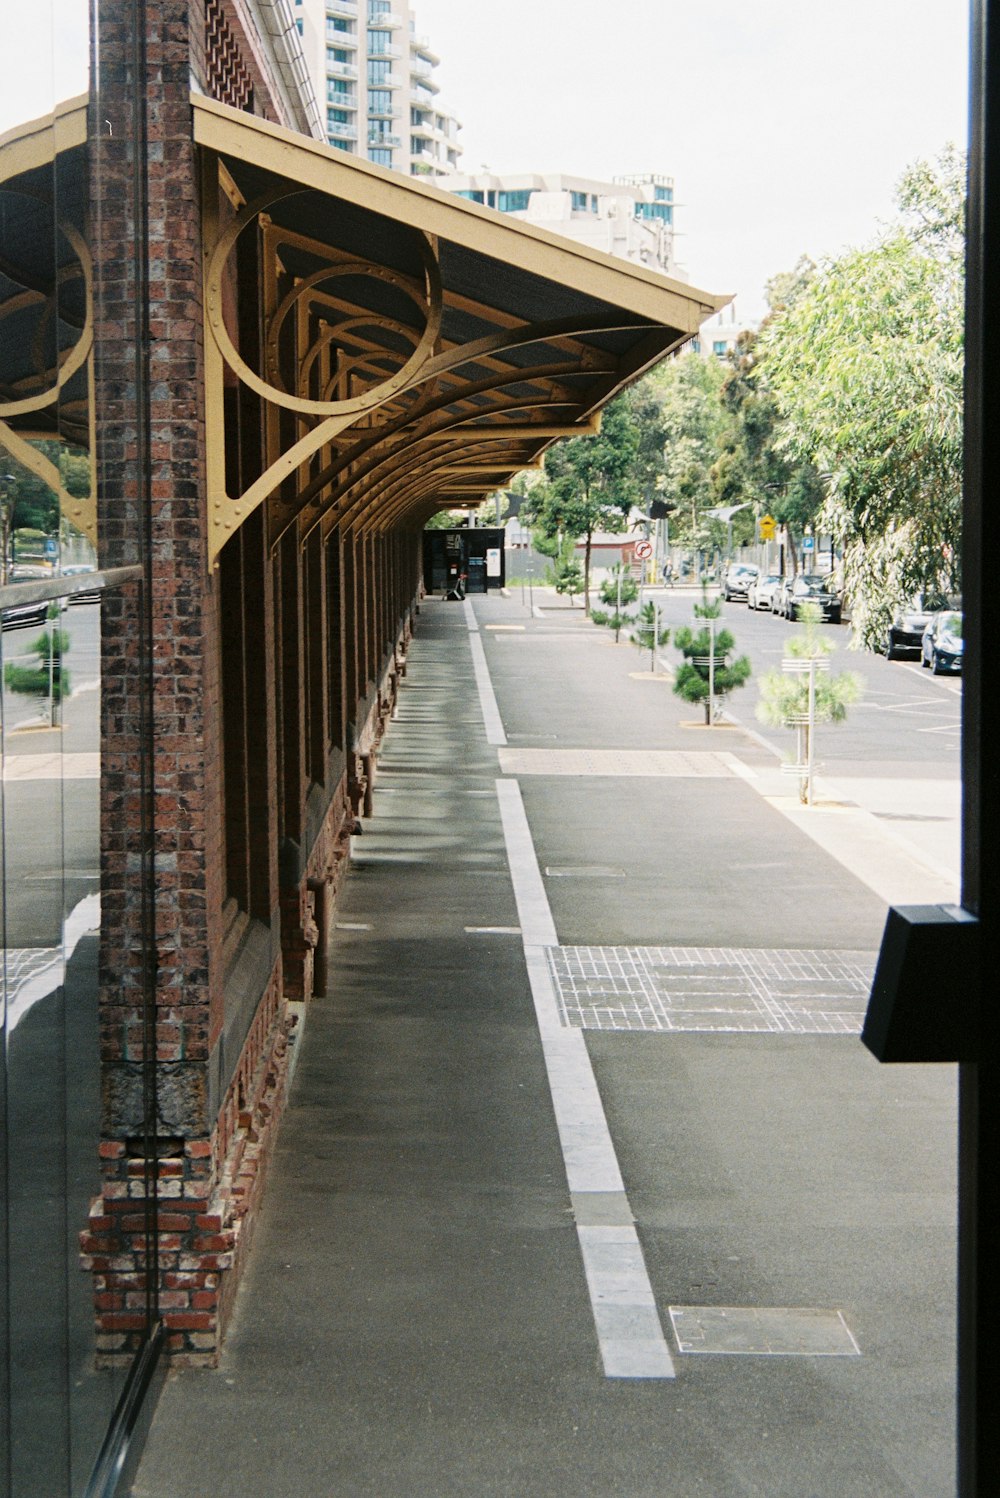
{"x":813,"y":587}
{"x":737,"y":581}
{"x":906,"y":631}
{"x":760,"y":594}
{"x":20,"y":615}
{"x":91,"y":595}
{"x":941,"y":645}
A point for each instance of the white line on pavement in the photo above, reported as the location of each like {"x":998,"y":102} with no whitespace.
{"x":624,"y":1308}
{"x":487,"y":698}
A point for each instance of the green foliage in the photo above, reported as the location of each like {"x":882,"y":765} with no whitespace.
{"x":784,"y":698}
{"x":590,"y":484}
{"x":445,"y":520}
{"x":50,"y":676}
{"x":752,"y":468}
{"x":707,"y":667}
{"x":619,"y":586}
{"x":866,"y":368}
{"x":694,"y":426}
{"x":645,"y":634}
{"x":567,"y":577}
{"x":620,"y":578}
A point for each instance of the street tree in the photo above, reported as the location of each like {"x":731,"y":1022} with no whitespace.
{"x":707,"y":672}
{"x":752,"y":468}
{"x":590,"y":485}
{"x":618,"y":590}
{"x":805,"y":693}
{"x":866,"y":368}
{"x":693,"y":425}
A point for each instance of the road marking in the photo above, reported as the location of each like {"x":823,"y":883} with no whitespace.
{"x":487,"y":698}
{"x":624,"y":1308}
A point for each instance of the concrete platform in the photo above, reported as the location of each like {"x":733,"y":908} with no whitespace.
{"x":460,"y":1265}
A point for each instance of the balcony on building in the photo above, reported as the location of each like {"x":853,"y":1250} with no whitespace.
{"x":341,"y":70}
{"x":340,"y":38}
{"x":338,"y":130}
{"x":421,"y":45}
{"x":376,"y":51}
{"x":341,"y":100}
{"x":422,"y":69}
{"x":376,"y":138}
{"x":348,"y":9}
{"x":386,"y":20}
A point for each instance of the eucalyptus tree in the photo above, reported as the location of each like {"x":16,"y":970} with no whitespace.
{"x":866,"y":368}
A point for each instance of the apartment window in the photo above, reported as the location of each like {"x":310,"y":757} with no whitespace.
{"x":379,"y":100}
{"x":513,"y":202}
{"x":335,"y":26}
{"x":473,"y":197}
{"x":380,"y":156}
{"x":663,"y":194}
{"x":719,"y":349}
{"x":335,"y":55}
{"x":298,"y":27}
{"x":339,"y":145}
{"x":379,"y":41}
{"x":379,"y":8}
{"x":578,"y":202}
{"x":378,"y":70}
{"x":337,"y":117}
{"x":417,"y":117}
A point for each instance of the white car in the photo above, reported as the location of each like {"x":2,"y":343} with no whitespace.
{"x":761,"y":594}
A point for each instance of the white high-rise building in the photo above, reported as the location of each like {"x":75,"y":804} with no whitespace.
{"x":631,"y":217}
{"x":373,"y":73}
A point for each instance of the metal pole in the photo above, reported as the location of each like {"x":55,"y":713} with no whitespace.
{"x":810,"y":727}
{"x":656,"y":637}
{"x":711,"y":672}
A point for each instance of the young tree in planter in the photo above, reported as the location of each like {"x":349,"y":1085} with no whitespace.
{"x":49,"y":678}
{"x":567,"y":578}
{"x":617,"y":590}
{"x":647,"y":634}
{"x":805,"y":693}
{"x":707,"y":672}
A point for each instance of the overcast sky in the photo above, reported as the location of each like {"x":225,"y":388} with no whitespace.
{"x":785,"y":123}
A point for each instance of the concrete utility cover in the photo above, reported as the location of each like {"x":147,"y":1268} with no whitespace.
{"x":768,"y":1331}
{"x":585,"y":871}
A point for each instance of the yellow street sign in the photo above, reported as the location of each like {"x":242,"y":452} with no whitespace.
{"x":766,"y":527}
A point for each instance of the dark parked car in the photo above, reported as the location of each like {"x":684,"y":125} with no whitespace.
{"x":942,"y":645}
{"x":813,"y":587}
{"x":20,"y":615}
{"x":736,"y":583}
{"x":907,"y":628}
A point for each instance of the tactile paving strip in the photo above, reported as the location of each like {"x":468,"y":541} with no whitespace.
{"x":712,"y":988}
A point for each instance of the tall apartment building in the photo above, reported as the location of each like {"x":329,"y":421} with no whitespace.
{"x":631,"y":217}
{"x":373,"y":73}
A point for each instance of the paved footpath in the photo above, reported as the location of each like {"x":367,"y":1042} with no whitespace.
{"x":587,"y":1185}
